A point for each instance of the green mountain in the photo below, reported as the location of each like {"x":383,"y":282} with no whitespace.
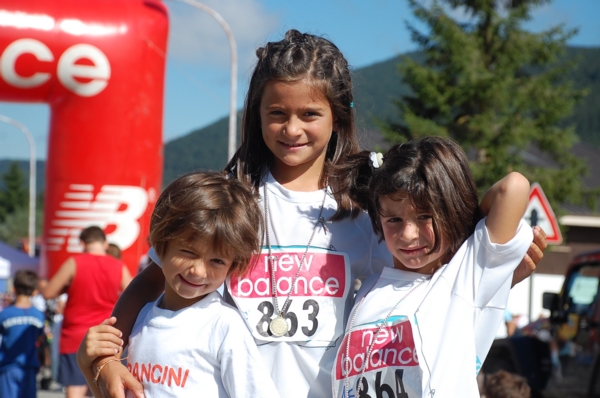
{"x":375,"y":88}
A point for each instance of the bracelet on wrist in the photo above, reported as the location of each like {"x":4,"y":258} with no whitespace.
{"x":100,"y":367}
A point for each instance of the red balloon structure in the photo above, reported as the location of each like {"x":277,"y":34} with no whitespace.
{"x":100,"y":67}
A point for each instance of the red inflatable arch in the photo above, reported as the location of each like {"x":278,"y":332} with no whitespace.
{"x":100,"y":66}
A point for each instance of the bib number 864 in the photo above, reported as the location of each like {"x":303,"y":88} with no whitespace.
{"x":383,"y":390}
{"x":267,"y":309}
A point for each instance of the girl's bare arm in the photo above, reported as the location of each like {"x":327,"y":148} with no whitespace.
{"x":505,"y":203}
{"x":144,"y":288}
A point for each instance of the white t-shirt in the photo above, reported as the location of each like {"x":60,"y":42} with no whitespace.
{"x":300,"y":363}
{"x":202,"y":350}
{"x":439,"y":335}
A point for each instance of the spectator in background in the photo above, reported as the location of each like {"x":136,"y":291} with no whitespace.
{"x":37,"y":299}
{"x":93,"y":281}
{"x":21,"y":328}
{"x":114,"y":250}
{"x":503,"y":384}
{"x":55,"y":314}
{"x":511,"y":323}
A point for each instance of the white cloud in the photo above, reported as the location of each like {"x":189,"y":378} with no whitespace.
{"x":196,"y":38}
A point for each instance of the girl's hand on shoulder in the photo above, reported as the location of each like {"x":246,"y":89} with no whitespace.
{"x":532,"y":258}
{"x":99,"y":341}
{"x":115,"y":379}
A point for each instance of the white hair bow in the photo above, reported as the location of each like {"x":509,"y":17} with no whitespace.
{"x":376,"y":159}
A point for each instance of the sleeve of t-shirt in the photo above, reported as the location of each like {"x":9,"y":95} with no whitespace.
{"x":495,"y":264}
{"x":493,"y":275}
{"x":243,"y":371}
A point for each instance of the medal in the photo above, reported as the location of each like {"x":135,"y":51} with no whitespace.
{"x":278,"y":326}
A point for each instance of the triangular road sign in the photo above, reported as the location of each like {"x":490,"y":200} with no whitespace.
{"x":540,"y":213}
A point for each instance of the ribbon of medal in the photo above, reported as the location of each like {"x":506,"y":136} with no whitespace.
{"x":278,"y":326}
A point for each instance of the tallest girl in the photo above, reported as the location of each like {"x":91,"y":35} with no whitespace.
{"x":298,"y":120}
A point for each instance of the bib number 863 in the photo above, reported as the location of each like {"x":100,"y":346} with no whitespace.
{"x":267,"y":309}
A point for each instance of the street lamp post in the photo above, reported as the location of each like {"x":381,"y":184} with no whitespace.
{"x":232,"y":103}
{"x":29,"y":137}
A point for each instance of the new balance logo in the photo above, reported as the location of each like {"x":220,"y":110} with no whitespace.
{"x":116,"y":206}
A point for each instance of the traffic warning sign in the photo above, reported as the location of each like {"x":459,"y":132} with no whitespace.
{"x":540,"y":213}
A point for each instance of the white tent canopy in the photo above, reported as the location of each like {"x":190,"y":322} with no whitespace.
{"x":13,"y":260}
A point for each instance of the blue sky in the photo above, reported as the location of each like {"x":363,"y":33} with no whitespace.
{"x":197,"y":81}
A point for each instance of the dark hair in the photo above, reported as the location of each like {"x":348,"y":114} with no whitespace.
{"x":221,"y":212}
{"x":432,"y":172}
{"x":114,"y":251}
{"x":25,"y":282}
{"x":92,"y":234}
{"x":298,"y":56}
{"x":503,"y":384}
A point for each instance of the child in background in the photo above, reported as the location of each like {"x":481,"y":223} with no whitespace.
{"x":189,"y":342}
{"x":298,"y":122}
{"x":114,"y":250}
{"x":21,"y":329}
{"x":424,"y":327}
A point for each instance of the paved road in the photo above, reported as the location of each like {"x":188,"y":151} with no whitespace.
{"x":50,"y":394}
{"x":574,"y":383}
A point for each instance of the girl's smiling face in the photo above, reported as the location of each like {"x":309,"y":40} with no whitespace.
{"x":409,"y":236}
{"x":191,"y":272}
{"x":297,"y":123}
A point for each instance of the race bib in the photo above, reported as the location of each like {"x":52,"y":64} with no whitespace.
{"x":392,"y":371}
{"x":317,"y":304}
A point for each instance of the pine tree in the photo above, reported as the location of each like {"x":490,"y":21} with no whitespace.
{"x":16,"y":225}
{"x":13,"y":194}
{"x":496,"y":89}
